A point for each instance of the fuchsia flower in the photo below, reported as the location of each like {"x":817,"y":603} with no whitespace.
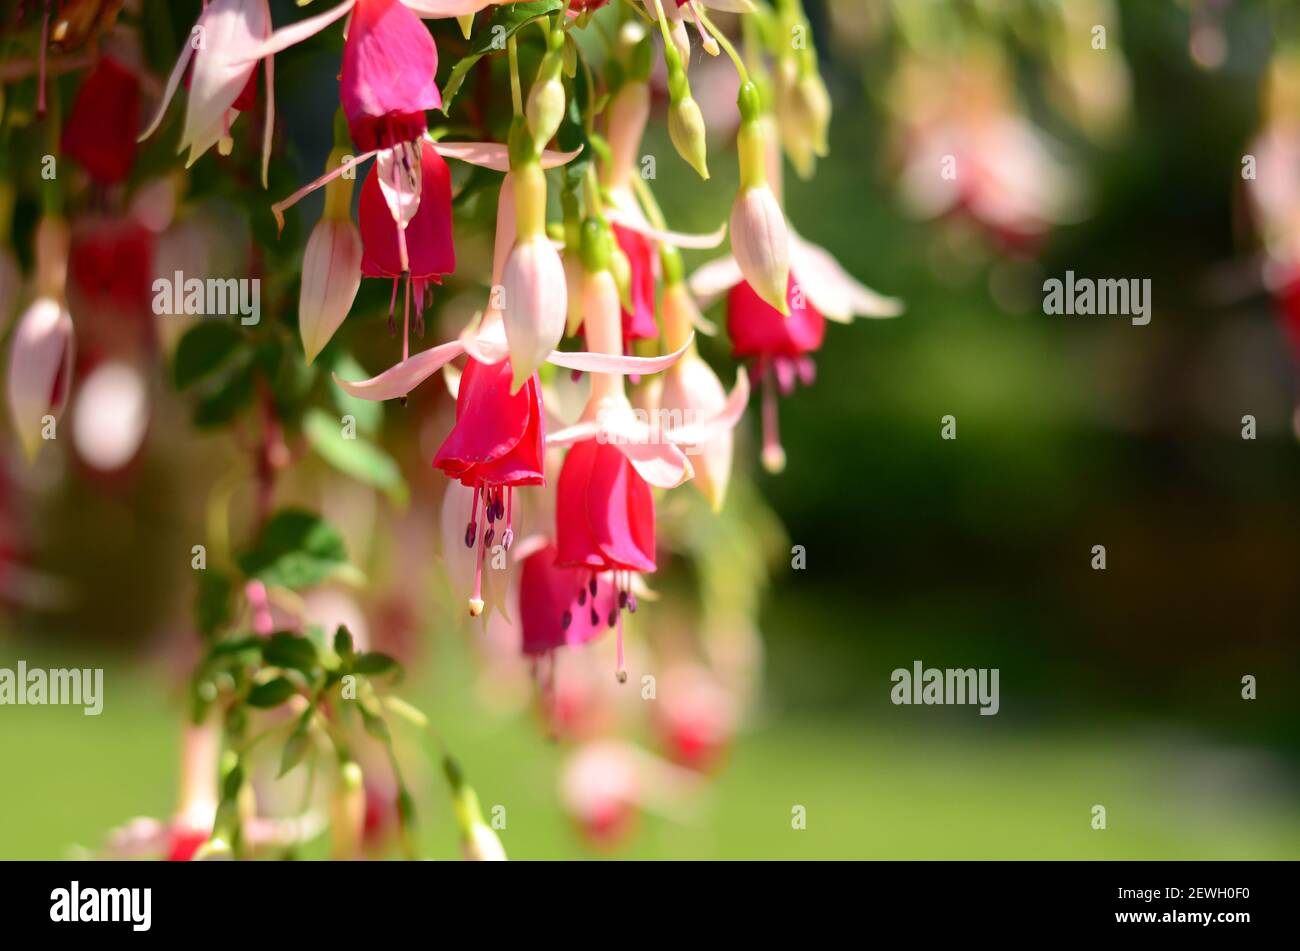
{"x":423,"y":250}
{"x":779,"y":346}
{"x":560,"y":607}
{"x":101,"y":128}
{"x":222,"y":45}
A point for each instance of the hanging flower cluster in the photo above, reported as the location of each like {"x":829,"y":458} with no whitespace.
{"x":587,"y":286}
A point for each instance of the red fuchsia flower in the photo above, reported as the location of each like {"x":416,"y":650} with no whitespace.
{"x":816,"y":287}
{"x":604,"y":507}
{"x":421,"y":249}
{"x":101,"y":128}
{"x":558,"y":606}
{"x":223,"y":77}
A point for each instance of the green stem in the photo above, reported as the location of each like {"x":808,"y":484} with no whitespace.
{"x":516,"y":96}
{"x":726,"y":45}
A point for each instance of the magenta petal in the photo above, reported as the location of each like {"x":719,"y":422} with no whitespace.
{"x":387,"y":83}
{"x":573,"y":540}
{"x":497,"y":439}
{"x":757,"y":328}
{"x":549,"y":592}
{"x":620,"y":511}
{"x":639,"y":323}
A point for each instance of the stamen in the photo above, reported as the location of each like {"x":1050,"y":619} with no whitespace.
{"x":406,"y":321}
{"x":773,"y":454}
{"x":508,"y":538}
{"x":476,"y":600}
{"x":621,"y":673}
{"x":471,"y":530}
{"x":565,"y":620}
{"x":392,"y":308}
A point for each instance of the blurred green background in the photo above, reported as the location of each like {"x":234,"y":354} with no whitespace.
{"x":1119,"y":688}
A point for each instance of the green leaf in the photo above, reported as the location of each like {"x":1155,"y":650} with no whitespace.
{"x":290,"y":651}
{"x":212,"y":606}
{"x":369,"y":414}
{"x":203,"y":350}
{"x":343,"y":642}
{"x":252,"y":644}
{"x":374,"y":664}
{"x":271,"y":694}
{"x":489,"y":39}
{"x":297,"y":549}
{"x":362,"y":460}
{"x":297,"y":746}
{"x":375,"y":725}
{"x":223,"y":401}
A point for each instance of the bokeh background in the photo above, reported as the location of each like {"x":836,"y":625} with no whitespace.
{"x":1119,"y":687}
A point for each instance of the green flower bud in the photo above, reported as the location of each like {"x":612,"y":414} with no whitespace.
{"x":686,"y":129}
{"x":545,"y":109}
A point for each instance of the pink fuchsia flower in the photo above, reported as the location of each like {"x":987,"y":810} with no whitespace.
{"x":101,"y":128}
{"x":695,"y":717}
{"x":222,"y":45}
{"x":389,"y":62}
{"x":606,"y":785}
{"x":387,"y":83}
{"x":557,"y":605}
{"x":778,"y":345}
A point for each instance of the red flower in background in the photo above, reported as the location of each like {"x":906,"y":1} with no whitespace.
{"x":104,"y":121}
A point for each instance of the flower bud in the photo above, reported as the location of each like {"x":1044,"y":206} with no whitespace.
{"x":545,"y":109}
{"x":816,"y":104}
{"x":691,"y":388}
{"x":348,"y":813}
{"x":791,"y":118}
{"x":331,"y":274}
{"x":479,"y":843}
{"x":686,"y":128}
{"x":40,"y":369}
{"x":536,"y":304}
{"x":760,"y":243}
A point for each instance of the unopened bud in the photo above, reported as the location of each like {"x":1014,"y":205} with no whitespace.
{"x":686,"y":128}
{"x":545,"y":109}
